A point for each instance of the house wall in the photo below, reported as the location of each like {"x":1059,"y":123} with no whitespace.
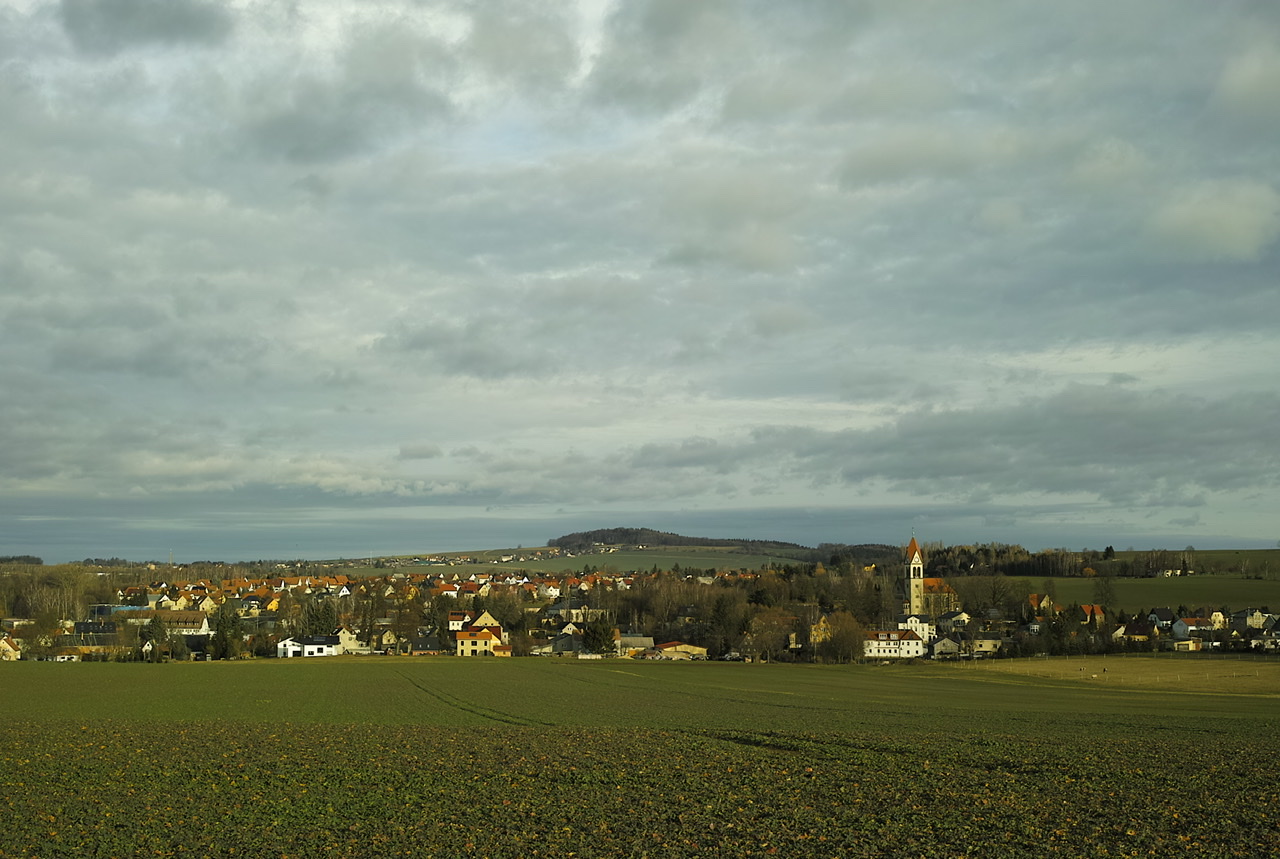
{"x":481,"y":645}
{"x":893,"y":645}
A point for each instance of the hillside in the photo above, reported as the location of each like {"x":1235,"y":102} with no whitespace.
{"x":584,"y":540}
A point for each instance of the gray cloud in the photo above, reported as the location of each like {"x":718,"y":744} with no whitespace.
{"x":658,"y":257}
{"x":525,"y":45}
{"x":1097,"y":442}
{"x":387,"y":84}
{"x":656,"y":55}
{"x":106,"y":27}
{"x":1248,"y":90}
{"x":420,"y":450}
{"x":1227,"y":221}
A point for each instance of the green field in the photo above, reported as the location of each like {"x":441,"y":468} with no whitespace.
{"x":1253,"y":562}
{"x":1133,"y":595}
{"x":489,"y":757}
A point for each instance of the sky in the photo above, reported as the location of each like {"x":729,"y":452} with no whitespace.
{"x":335,"y":279}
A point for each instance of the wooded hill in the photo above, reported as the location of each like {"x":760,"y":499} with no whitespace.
{"x":583,"y":541}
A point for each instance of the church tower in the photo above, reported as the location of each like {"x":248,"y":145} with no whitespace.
{"x":914,"y":578}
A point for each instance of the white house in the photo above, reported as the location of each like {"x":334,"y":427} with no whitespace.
{"x":919,"y":624}
{"x":459,"y":620}
{"x":183,"y":622}
{"x":348,"y":641}
{"x":892,"y":644}
{"x":308,"y":645}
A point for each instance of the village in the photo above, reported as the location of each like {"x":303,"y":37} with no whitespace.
{"x":726,"y":615}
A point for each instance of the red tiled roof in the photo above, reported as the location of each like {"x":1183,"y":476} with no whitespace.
{"x":477,"y":635}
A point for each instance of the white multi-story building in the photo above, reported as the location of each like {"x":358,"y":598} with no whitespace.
{"x":893,"y":644}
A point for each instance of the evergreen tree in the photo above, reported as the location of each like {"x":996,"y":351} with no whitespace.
{"x":598,"y":636}
{"x":329,"y":617}
{"x":158,"y":634}
{"x":228,"y":637}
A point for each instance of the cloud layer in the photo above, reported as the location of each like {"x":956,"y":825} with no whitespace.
{"x":651,"y":258}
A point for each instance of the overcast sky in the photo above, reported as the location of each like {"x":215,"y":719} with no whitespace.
{"x":340,"y":278}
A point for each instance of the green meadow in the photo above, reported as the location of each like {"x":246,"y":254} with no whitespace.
{"x":1263,"y":563}
{"x":1133,"y":595}
{"x":599,"y":693}
{"x":490,"y":757}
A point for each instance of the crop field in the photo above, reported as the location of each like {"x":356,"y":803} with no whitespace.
{"x":515,"y":758}
{"x":1197,"y":674}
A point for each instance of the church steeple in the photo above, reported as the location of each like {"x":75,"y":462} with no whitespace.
{"x":914,"y":575}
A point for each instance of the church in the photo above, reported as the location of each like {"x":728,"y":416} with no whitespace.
{"x":924,"y":597}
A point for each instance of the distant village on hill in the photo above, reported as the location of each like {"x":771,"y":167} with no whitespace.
{"x":835,"y":603}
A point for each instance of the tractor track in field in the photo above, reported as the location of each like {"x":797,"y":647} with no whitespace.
{"x":456,"y":703}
